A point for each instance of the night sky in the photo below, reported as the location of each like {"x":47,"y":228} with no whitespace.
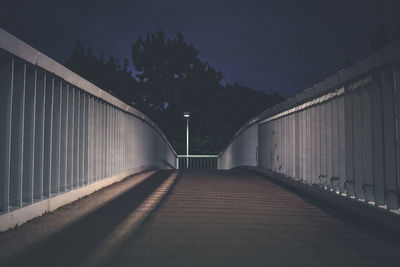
{"x":283,"y":46}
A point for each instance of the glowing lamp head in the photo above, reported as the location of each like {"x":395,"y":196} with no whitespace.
{"x":186,"y":114}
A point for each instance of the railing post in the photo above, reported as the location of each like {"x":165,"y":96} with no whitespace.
{"x":6,"y":95}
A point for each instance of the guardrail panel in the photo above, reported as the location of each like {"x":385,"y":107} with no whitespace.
{"x":389,"y":140}
{"x":55,"y":139}
{"x":71,"y":137}
{"x":76,"y":161}
{"x":17,"y":129}
{"x":367,"y":144}
{"x":29,"y":135}
{"x":86,"y":140}
{"x":341,"y":144}
{"x":357,"y":144}
{"x":64,"y":136}
{"x":39,"y":141}
{"x":6,"y":91}
{"x":82,"y":143}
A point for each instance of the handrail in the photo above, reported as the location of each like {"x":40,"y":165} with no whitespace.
{"x":19,"y":48}
{"x":340,"y":135}
{"x":61,"y":133}
{"x":197,"y":161}
{"x":379,"y":59}
{"x":197,"y":156}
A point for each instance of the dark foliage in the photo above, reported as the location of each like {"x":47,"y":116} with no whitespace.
{"x":110,"y":75}
{"x":169,"y":79}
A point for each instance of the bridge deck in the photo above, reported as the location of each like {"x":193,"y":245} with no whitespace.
{"x":235,"y":218}
{"x":221,"y":218}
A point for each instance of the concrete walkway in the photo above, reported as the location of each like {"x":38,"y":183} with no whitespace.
{"x":209,"y":218}
{"x":71,"y":235}
{"x":236,"y":218}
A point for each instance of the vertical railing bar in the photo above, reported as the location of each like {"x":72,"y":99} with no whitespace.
{"x":119,"y":161}
{"x":21,"y":141}
{"x":396,"y":130}
{"x":86,"y":134}
{"x":28,"y":136}
{"x":97,"y":140}
{"x":105,"y":140}
{"x":67,"y":138}
{"x":103,"y":124}
{"x":49,"y":123}
{"x":90,"y":140}
{"x":33,"y":129}
{"x":40,"y":173}
{"x":78,"y":157}
{"x":7,"y":163}
{"x":65,"y":150}
{"x":58,"y":169}
{"x":72,"y":139}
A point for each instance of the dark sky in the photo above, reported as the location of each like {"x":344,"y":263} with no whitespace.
{"x":283,"y":46}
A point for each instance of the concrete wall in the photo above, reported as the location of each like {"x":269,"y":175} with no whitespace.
{"x":242,"y":151}
{"x":60,"y":133}
{"x":341,"y":135}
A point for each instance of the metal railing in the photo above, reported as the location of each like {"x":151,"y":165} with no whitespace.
{"x":59,"y":132}
{"x":341,"y":135}
{"x":196,"y":162}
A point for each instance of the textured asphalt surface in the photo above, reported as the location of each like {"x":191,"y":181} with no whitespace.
{"x":69,"y":244}
{"x":213,"y":218}
{"x":236,"y":218}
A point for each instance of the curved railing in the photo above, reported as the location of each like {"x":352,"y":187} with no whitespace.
{"x":341,"y":135}
{"x":60,"y":132}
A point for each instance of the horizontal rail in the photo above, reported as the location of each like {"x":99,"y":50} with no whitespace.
{"x":353,"y":74}
{"x":197,"y":162}
{"x":20,"y":49}
{"x":197,"y":156}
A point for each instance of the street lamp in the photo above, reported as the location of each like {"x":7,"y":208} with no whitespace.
{"x":187,"y":115}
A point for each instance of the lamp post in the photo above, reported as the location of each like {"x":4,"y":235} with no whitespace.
{"x":187,"y":115}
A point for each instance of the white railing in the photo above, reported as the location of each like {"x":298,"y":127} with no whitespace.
{"x":59,"y":132}
{"x":196,"y":162}
{"x":341,"y":135}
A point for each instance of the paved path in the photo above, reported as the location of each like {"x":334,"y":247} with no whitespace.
{"x":236,"y":218}
{"x":209,"y":218}
{"x":70,"y":235}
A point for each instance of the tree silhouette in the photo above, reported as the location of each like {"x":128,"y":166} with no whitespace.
{"x":109,"y":75}
{"x":169,"y":79}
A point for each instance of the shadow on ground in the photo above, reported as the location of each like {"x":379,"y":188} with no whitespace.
{"x":359,"y":222}
{"x":71,"y":246}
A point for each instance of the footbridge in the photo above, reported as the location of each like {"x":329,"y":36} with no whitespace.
{"x":86,"y":180}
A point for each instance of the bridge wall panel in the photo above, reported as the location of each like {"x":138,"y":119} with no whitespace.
{"x":248,"y":145}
